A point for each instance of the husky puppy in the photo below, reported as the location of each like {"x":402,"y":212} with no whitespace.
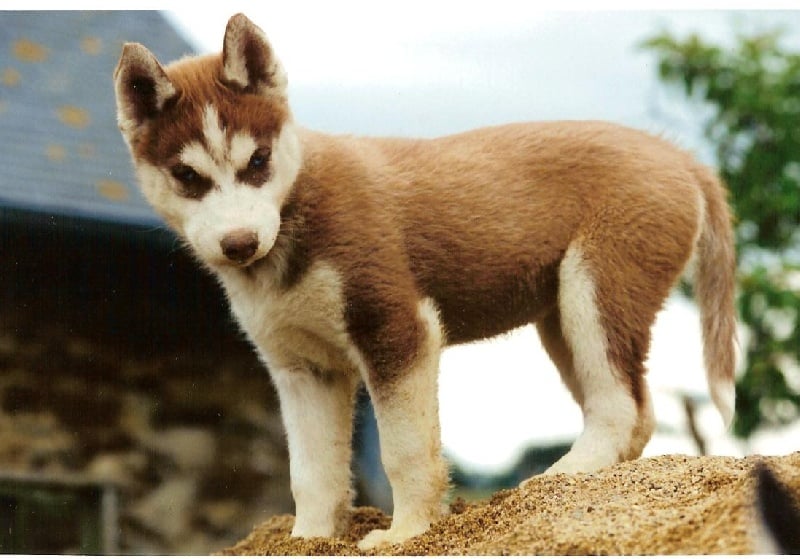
{"x":352,"y":260}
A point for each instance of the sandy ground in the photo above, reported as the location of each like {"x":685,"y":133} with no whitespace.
{"x":665,"y":505}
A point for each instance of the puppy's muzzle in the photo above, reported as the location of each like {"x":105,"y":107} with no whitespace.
{"x":239,"y":245}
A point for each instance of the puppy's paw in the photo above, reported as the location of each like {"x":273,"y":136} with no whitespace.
{"x":393,"y":535}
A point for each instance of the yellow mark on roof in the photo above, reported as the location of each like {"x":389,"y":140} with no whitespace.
{"x":56,"y":152}
{"x":111,"y":189}
{"x":29,"y":51}
{"x":91,"y":45}
{"x":86,"y":151}
{"x":10,"y":77}
{"x":74,"y":116}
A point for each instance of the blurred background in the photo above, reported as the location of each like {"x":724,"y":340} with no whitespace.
{"x":134,"y":418}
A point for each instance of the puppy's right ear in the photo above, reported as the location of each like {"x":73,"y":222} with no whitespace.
{"x":142,"y":88}
{"x":248,"y":62}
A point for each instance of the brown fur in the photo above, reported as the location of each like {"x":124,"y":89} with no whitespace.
{"x":440,"y":219}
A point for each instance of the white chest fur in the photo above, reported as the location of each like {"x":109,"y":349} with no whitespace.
{"x":297,"y":327}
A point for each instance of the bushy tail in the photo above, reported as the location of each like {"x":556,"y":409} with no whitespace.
{"x":714,"y":286}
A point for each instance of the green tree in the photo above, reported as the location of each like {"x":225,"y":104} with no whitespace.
{"x":753,"y":89}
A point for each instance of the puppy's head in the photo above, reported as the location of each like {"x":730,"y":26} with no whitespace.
{"x":213,"y":142}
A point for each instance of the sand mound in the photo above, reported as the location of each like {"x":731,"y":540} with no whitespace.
{"x":666,"y":505}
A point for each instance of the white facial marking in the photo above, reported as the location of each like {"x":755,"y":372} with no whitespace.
{"x":242,"y":148}
{"x":214,"y":134}
{"x":287,"y":156}
{"x":232,"y":205}
{"x":195,"y":156}
{"x":157,"y":189}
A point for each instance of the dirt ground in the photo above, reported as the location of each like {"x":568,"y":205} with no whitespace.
{"x":657,"y":506}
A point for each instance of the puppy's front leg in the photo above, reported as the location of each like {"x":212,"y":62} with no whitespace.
{"x":407,"y":410}
{"x":317,"y":411}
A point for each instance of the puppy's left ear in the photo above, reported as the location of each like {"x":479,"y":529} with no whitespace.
{"x":248,"y":63}
{"x":142,"y":89}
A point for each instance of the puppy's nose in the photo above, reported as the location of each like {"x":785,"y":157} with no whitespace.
{"x":239,"y":245}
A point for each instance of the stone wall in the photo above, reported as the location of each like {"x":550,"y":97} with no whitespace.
{"x":195,"y":446}
{"x":118,"y":362}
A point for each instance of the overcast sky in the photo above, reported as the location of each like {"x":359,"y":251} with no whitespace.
{"x":430,"y":68}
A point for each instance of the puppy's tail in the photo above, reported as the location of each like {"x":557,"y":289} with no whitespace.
{"x":715,"y":286}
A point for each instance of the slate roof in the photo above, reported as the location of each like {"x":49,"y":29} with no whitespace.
{"x":61,"y":152}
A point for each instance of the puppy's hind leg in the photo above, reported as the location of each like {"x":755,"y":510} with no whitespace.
{"x":618,"y":416}
{"x":317,"y":410}
{"x":552,"y":338}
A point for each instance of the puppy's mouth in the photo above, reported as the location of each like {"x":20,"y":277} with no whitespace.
{"x":245,"y":264}
{"x":242,"y":264}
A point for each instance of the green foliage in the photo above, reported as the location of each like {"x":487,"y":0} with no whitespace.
{"x":754,"y":90}
{"x":769,"y":309}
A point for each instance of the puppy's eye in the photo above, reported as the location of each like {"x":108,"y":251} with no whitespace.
{"x":258,"y":160}
{"x":192,"y":183}
{"x":257,"y":170}
{"x":184,"y":173}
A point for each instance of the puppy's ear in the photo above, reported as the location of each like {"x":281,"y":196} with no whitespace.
{"x":248,"y":63}
{"x":142,"y":88}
